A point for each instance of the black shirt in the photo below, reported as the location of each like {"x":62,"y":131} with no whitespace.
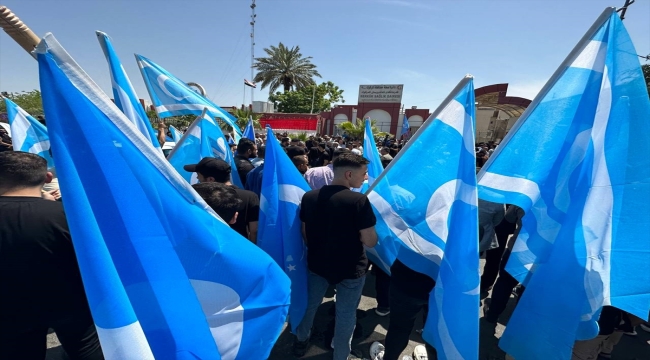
{"x":324,"y":155}
{"x":244,"y":166}
{"x":411,"y":282}
{"x":39,"y":275}
{"x":333,"y":216}
{"x":248,"y":211}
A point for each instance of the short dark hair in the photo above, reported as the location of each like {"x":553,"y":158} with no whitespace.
{"x":244,"y":145}
{"x":223,"y":199}
{"x":261,"y":151}
{"x":350,"y":160}
{"x":285,"y":139}
{"x":322,"y":145}
{"x":294,"y":151}
{"x":295,"y":140}
{"x":339,"y":152}
{"x":299,"y":160}
{"x":20,"y":169}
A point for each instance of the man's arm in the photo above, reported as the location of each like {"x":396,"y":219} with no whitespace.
{"x":252,"y":231}
{"x":368,"y":236}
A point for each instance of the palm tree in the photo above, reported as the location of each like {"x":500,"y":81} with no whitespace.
{"x":284,"y":67}
{"x":242,"y":116}
{"x":356,"y":130}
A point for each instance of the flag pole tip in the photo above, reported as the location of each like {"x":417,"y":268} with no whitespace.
{"x":469,"y":76}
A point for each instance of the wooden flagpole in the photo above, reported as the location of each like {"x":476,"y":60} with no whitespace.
{"x":17,"y":30}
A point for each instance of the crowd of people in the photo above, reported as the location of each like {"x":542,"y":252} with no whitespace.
{"x":42,"y":289}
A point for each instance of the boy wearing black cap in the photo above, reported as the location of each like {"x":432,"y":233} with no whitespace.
{"x":211,"y":169}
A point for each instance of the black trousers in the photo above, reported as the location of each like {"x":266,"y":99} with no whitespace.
{"x":502,"y":290}
{"x":382,"y":287}
{"x":78,"y":337}
{"x":403,"y":311}
{"x":493,"y":257}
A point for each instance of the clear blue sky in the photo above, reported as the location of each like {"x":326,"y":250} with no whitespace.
{"x":425,"y":45}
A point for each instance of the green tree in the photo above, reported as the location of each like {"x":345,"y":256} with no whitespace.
{"x":324,"y":96}
{"x":646,"y":75}
{"x":242,"y":116}
{"x":30,"y":101}
{"x":284,"y":67}
{"x":356,"y":130}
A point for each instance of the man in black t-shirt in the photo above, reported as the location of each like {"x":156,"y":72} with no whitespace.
{"x":246,"y":149}
{"x":211,"y":169}
{"x":40,"y":282}
{"x":336,"y":224}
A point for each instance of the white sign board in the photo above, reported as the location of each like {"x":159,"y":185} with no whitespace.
{"x":380,"y":93}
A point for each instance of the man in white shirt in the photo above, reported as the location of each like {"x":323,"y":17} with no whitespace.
{"x":318,"y":177}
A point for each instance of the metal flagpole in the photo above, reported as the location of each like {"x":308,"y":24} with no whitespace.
{"x":253,"y":16}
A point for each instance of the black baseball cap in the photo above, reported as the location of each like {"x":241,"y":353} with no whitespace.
{"x":209,"y":166}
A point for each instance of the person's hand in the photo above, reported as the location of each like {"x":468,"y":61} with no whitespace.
{"x":161,"y":126}
{"x":47,"y":196}
{"x":56,"y":194}
{"x":51,"y":195}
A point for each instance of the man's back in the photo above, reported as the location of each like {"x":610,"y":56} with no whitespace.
{"x":333,"y":217}
{"x":249,"y":211}
{"x":244,"y":166}
{"x":39,"y":275}
{"x":319,"y":176}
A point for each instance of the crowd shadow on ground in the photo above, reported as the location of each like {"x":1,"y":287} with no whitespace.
{"x":372,"y":327}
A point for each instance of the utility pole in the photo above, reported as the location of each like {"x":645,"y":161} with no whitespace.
{"x":253,"y":16}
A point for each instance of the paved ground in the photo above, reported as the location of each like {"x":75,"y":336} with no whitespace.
{"x":373,"y":328}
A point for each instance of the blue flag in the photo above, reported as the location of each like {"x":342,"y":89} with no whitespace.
{"x":427,"y":217}
{"x":202,"y":139}
{"x":171,"y":96}
{"x":176,"y":134}
{"x":406,"y":128}
{"x":280,"y":227}
{"x":164,"y":275}
{"x":371,"y":154}
{"x":576,"y":162}
{"x":249,"y":131}
{"x":27,"y":134}
{"x":123,"y":92}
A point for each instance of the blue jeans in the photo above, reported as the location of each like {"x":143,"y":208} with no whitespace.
{"x":348,"y":294}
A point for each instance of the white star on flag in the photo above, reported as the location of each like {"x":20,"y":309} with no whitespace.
{"x":291,"y":267}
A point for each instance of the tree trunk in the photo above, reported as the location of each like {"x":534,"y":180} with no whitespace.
{"x":287,"y":84}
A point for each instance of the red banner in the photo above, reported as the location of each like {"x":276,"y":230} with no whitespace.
{"x":309,"y":125}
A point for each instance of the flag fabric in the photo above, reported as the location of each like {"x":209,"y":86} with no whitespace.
{"x":202,"y":139}
{"x":172,"y":96}
{"x":176,"y":134}
{"x":279,"y":231}
{"x":575,"y":163}
{"x":427,"y":217}
{"x":27,"y":134}
{"x":249,"y":131}
{"x":406,"y":128}
{"x":164,"y":275}
{"x":123,"y":92}
{"x":371,"y":154}
{"x":250,"y":83}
